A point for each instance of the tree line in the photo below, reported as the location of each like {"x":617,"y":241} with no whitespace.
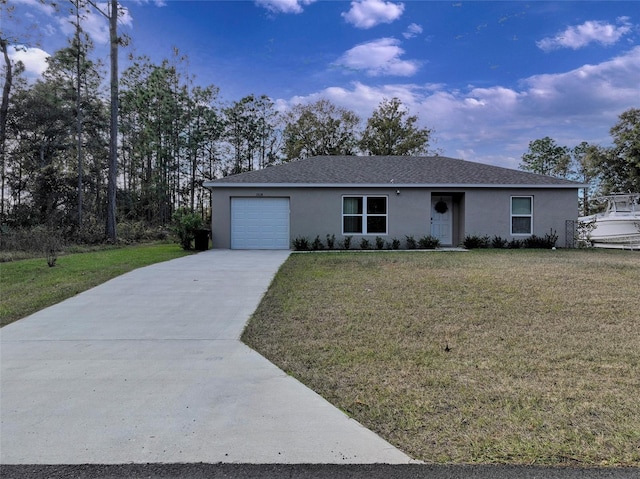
{"x":172,"y":136}
{"x":607,"y":170}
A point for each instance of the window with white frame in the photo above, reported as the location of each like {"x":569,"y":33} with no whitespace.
{"x":521,"y":215}
{"x":364,"y":215}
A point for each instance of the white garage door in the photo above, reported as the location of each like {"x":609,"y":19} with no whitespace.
{"x":260,"y":223}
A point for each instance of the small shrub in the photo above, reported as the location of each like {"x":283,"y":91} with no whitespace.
{"x":514,"y":244}
{"x":532,"y":241}
{"x":301,"y":244}
{"x":91,"y":232}
{"x":364,"y":244}
{"x":379,"y":242}
{"x":185,"y":225}
{"x":583,"y":233}
{"x":551,"y":238}
{"x":53,"y":245}
{"x":52,"y":257}
{"x":331,"y":241}
{"x":475,"y":241}
{"x":346,"y":243}
{"x":317,"y":244}
{"x":428,"y":242}
{"x":547,"y":242}
{"x":159,"y":234}
{"x":395,"y":243}
{"x":411,"y":242}
{"x":499,"y":242}
{"x":137,"y":231}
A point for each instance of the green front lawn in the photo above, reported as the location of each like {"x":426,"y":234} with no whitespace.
{"x":487,"y":356}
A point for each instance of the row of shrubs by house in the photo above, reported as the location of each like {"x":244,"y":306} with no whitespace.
{"x":301,"y":243}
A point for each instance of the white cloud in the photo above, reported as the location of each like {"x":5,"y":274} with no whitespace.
{"x":157,"y":3}
{"x":94,"y":23}
{"x":590,"y":88}
{"x":47,"y":9}
{"x":412,"y":30}
{"x":34,"y":59}
{"x":284,"y":6}
{"x":378,"y":57}
{"x":369,"y":13}
{"x":360,"y":98}
{"x":495,"y":124}
{"x":580,"y":36}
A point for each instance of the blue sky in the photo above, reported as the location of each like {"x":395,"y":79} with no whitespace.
{"x":487,"y":77}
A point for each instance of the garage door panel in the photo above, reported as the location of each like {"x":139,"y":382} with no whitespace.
{"x":260,"y":223}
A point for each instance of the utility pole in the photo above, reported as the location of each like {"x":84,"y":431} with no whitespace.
{"x":112,"y":177}
{"x":79,"y":112}
{"x":113,"y":139}
{"x":4,"y":109}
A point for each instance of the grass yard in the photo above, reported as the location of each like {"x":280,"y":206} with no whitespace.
{"x":29,"y":285}
{"x":517,"y":356}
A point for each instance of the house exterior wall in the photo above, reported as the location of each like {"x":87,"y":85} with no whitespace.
{"x":482,"y":211}
{"x":488,"y":211}
{"x":318,"y":212}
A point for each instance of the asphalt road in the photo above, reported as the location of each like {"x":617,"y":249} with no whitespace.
{"x":313,"y":471}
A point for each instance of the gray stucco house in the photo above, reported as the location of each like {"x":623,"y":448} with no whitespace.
{"x":386,"y":196}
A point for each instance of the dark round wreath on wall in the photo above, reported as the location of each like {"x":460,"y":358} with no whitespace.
{"x":441,"y":207}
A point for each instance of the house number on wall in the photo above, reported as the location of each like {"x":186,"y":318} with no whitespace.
{"x":259,"y":194}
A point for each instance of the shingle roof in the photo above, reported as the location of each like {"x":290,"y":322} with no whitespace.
{"x":386,"y":170}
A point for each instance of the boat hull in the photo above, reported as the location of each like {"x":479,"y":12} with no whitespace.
{"x":618,"y":226}
{"x":620,"y":231}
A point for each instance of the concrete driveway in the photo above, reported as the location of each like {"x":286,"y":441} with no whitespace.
{"x":148,"y":368}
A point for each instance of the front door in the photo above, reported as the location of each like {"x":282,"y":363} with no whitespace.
{"x":441,"y":219}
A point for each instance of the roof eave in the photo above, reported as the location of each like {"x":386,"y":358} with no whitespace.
{"x":213,"y":185}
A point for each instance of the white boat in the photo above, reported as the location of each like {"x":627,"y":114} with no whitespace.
{"x":618,"y":226}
